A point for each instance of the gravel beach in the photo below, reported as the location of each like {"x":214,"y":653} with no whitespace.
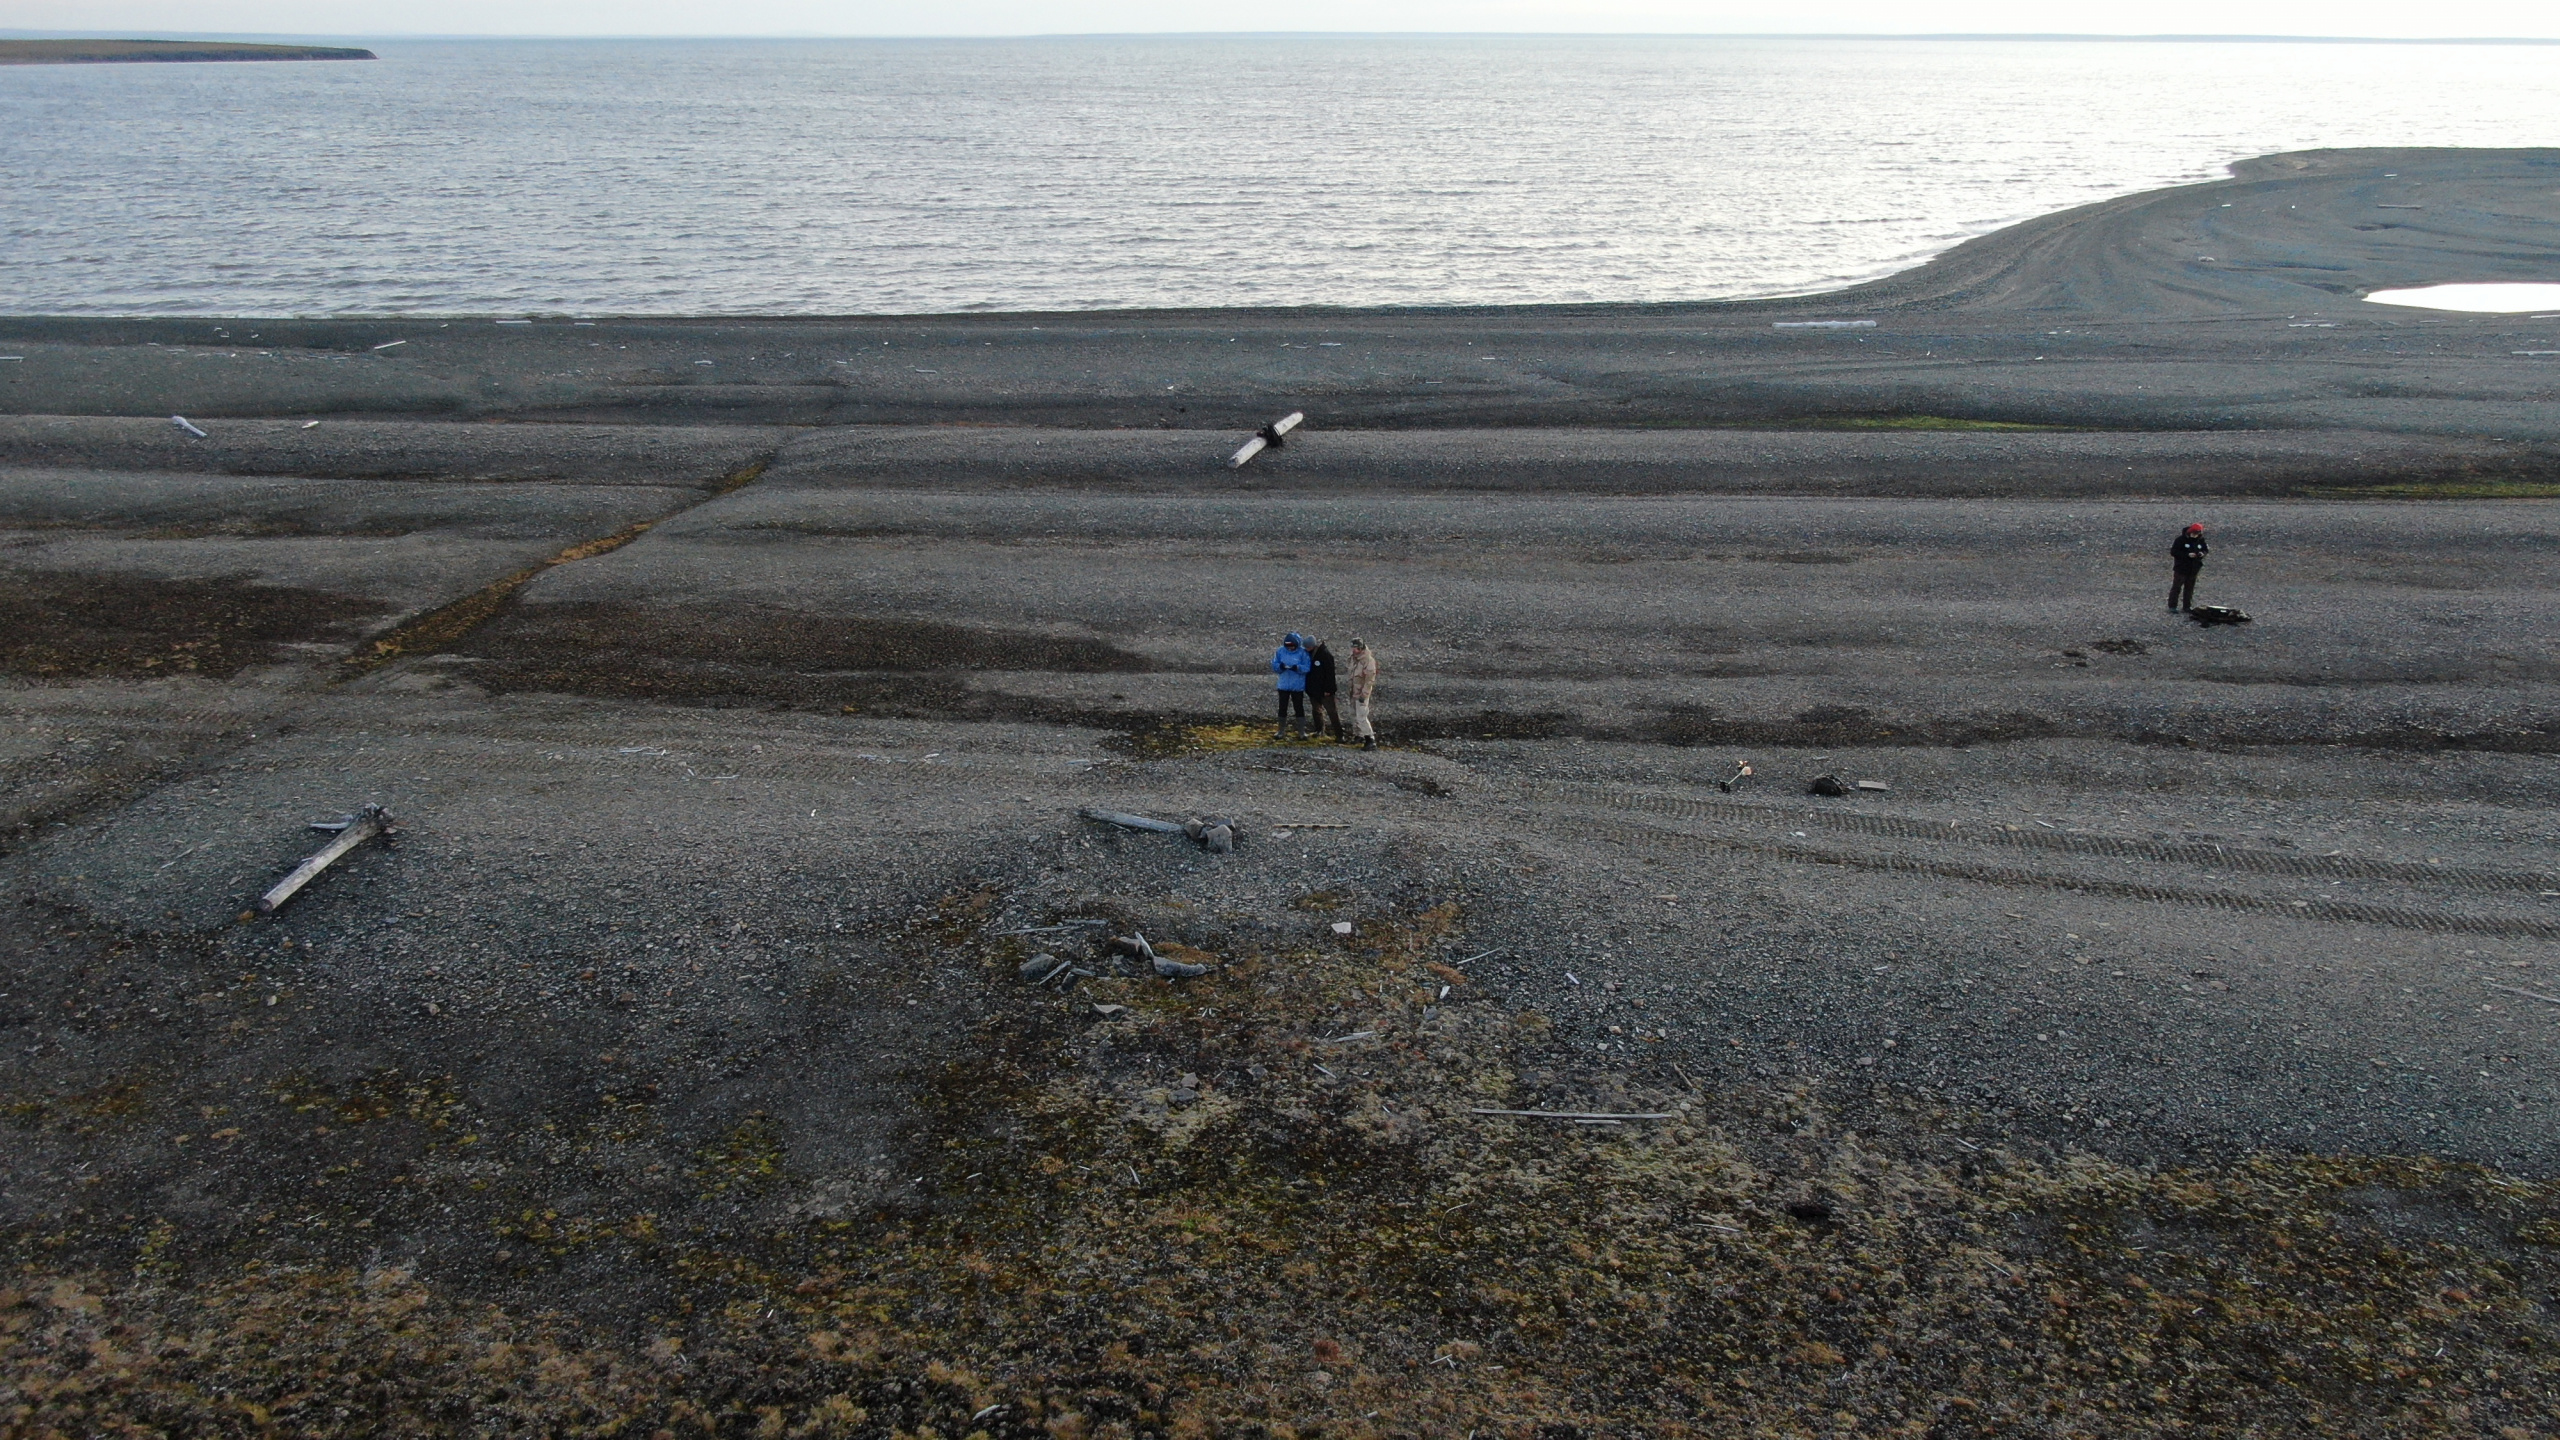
{"x":2164,"y":990}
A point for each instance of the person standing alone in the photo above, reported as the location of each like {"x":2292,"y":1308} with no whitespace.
{"x":1320,"y":691}
{"x":2186,"y":562}
{"x":1289,"y":665}
{"x":1364,"y":683}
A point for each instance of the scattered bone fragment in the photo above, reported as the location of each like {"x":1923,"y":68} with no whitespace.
{"x":1171,"y":964}
{"x":1582,"y":1115}
{"x":1217,"y":836}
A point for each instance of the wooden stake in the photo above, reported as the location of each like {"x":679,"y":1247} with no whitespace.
{"x":374,"y":821}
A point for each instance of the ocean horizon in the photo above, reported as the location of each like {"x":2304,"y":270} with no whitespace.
{"x":914,"y":175}
{"x":2164,"y":38}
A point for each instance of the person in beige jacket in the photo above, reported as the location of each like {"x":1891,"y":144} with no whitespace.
{"x":1363,"y":682}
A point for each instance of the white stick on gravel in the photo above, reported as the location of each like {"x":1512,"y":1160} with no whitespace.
{"x":2528,"y":994}
{"x":1267,"y":437}
{"x":1581,"y":1114}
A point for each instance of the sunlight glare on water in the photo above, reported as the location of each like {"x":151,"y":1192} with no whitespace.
{"x":832,"y":177}
{"x":2498,"y":298}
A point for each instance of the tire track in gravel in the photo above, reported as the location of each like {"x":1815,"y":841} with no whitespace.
{"x":426,"y":633}
{"x":2397,"y":917}
{"x":447,"y":624}
{"x":2221,"y":857}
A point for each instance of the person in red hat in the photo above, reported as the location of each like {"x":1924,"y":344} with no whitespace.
{"x":2186,"y":562}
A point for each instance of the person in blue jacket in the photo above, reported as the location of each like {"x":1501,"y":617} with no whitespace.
{"x":1289,"y":666}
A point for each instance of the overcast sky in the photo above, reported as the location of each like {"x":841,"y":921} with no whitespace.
{"x":2530,"y":18}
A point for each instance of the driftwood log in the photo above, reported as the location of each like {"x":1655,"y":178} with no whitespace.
{"x":1131,"y":822}
{"x":374,"y":820}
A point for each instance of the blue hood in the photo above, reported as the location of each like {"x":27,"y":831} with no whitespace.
{"x":1289,"y":666}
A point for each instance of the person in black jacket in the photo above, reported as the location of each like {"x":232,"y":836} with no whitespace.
{"x":1321,"y":686}
{"x":2186,"y":561}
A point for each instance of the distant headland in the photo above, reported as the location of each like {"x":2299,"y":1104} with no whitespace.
{"x":113,"y":52}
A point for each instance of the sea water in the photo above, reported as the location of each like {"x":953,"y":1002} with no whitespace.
{"x":697,"y":177}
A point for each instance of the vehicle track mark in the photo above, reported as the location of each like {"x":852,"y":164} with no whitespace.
{"x":2396,"y":917}
{"x":2215,"y":857}
{"x":446,"y":625}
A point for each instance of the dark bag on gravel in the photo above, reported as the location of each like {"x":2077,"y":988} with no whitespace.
{"x":2218,"y":615}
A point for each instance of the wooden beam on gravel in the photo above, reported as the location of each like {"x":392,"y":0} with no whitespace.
{"x":374,"y":820}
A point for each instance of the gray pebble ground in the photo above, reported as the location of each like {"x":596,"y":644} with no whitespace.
{"x":685,"y":813}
